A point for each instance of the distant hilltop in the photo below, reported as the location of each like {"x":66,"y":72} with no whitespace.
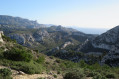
{"x":19,"y":22}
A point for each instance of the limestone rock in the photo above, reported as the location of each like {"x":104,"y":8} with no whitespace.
{"x":1,"y":33}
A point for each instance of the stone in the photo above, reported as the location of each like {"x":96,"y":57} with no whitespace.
{"x":21,"y":73}
{"x":1,"y":33}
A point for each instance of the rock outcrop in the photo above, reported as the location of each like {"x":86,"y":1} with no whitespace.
{"x":1,"y":33}
{"x":47,"y":38}
{"x":66,"y":44}
{"x":107,"y":43}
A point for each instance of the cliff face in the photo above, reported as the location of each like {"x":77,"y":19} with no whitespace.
{"x":108,"y":39}
{"x":107,"y":43}
{"x":49,"y":37}
{"x":39,"y":37}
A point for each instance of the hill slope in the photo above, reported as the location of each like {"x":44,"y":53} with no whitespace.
{"x":19,"y":22}
{"x":28,"y":64}
{"x":41,"y":39}
{"x":107,"y":45}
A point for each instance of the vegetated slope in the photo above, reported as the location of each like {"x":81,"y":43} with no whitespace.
{"x":26,"y":61}
{"x":62,"y":42}
{"x":44,"y":39}
{"x":20,"y":62}
{"x":106,"y":45}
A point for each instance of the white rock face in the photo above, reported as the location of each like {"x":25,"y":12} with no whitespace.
{"x":29,"y":39}
{"x":1,"y":33}
{"x":66,"y":44}
{"x":109,"y":41}
{"x":18,"y":37}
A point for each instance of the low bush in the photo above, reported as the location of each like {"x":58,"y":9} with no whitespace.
{"x":92,"y":74}
{"x":40,"y":78}
{"x":110,"y":75}
{"x":75,"y":75}
{"x":28,"y":67}
{"x":31,"y":67}
{"x":5,"y":74}
{"x":55,"y":76}
{"x":58,"y":72}
{"x":58,"y":60}
{"x":41,"y":59}
{"x":47,"y":62}
{"x":98,"y":76}
{"x":16,"y":54}
{"x":8,"y":39}
{"x":51,"y":57}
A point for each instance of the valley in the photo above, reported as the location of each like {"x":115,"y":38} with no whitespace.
{"x":56,"y":52}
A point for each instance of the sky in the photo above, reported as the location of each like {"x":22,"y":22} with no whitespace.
{"x":79,"y":13}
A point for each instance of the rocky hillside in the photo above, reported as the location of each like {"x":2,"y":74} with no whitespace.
{"x":65,"y":43}
{"x":106,"y":45}
{"x":19,"y":22}
{"x":18,"y":62}
{"x":33,"y":35}
{"x":25,"y":62}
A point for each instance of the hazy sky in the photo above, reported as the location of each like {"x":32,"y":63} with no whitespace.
{"x":81,"y":13}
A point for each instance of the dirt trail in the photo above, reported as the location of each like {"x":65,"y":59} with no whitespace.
{"x":34,"y":76}
{"x":16,"y":75}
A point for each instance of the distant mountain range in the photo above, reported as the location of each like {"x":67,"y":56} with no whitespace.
{"x":39,"y":36}
{"x":62,"y":42}
{"x":25,"y":23}
{"x":19,"y":22}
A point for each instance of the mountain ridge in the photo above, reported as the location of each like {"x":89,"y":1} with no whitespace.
{"x":106,"y":43}
{"x":40,"y":37}
{"x":65,"y":43}
{"x":19,"y":22}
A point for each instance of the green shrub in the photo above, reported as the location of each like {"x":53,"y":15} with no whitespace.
{"x":58,"y":72}
{"x":75,"y":75}
{"x":5,"y":38}
{"x":47,"y":63}
{"x":99,"y":77}
{"x":55,"y":76}
{"x":16,"y":54}
{"x":111,"y":75}
{"x":82,"y":64}
{"x":58,"y":61}
{"x":92,"y":74}
{"x":29,"y":68}
{"x":5,"y":74}
{"x":40,"y":78}
{"x":41,"y":59}
{"x":1,"y":53}
{"x":69,"y":64}
{"x":51,"y":57}
{"x":87,"y":72}
{"x":62,"y":66}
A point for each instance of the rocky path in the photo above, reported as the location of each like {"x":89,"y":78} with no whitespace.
{"x":22,"y":75}
{"x":34,"y":76}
